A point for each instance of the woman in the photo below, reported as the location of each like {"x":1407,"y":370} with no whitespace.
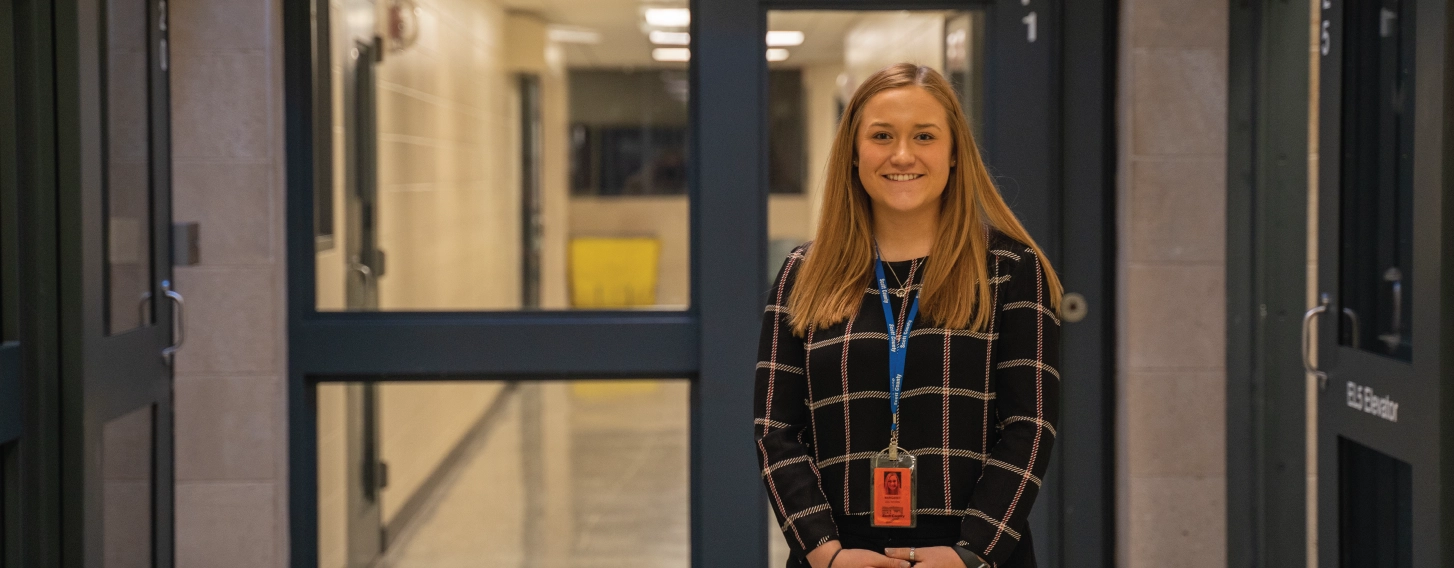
{"x":850,"y":392}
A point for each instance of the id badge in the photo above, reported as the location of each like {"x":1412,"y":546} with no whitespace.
{"x":895,"y":490}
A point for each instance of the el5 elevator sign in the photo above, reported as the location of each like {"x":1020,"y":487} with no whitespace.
{"x":1362,"y":398}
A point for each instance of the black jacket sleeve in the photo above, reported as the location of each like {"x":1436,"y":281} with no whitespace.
{"x":1027,"y":405}
{"x":782,"y":424}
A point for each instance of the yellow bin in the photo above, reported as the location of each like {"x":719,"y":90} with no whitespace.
{"x":613,"y":272}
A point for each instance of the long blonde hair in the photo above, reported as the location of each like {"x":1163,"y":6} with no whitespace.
{"x":830,"y":285}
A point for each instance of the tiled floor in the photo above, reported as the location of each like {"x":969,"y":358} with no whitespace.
{"x":583,"y":475}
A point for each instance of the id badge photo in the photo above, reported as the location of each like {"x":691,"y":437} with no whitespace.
{"x":895,"y":490}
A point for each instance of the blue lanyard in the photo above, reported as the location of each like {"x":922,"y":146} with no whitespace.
{"x":898,"y":342}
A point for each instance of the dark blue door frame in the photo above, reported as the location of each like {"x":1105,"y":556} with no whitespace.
{"x":1047,"y":144}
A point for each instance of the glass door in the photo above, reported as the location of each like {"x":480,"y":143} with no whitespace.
{"x":120,"y":316}
{"x":1378,"y":345}
{"x":501,"y":249}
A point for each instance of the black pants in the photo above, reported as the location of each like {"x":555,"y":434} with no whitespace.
{"x":932,"y":530}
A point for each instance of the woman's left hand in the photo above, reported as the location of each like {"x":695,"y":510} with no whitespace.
{"x":929,"y":557}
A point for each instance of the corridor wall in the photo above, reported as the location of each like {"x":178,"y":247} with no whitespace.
{"x":228,"y":161}
{"x":1172,"y":112}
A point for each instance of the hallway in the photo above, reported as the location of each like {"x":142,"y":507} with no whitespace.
{"x":610,"y":490}
{"x":448,"y":283}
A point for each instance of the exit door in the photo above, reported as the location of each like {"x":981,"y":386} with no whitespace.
{"x":1380,"y":272}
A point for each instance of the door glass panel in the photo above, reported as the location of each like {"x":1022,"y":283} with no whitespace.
{"x":1375,"y":507}
{"x":126,"y":490}
{"x":492,"y":159}
{"x":824,"y":55}
{"x":1376,"y":230}
{"x":529,"y":473}
{"x":128,"y":167}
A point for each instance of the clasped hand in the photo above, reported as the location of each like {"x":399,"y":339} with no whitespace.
{"x":928,"y":557}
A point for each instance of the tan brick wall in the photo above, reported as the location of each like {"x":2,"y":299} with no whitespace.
{"x":227,"y":164}
{"x":1171,"y":473}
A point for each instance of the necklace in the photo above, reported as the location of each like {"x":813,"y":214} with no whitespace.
{"x":902,"y":290}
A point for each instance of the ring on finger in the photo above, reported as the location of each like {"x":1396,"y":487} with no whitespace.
{"x":911,"y":555}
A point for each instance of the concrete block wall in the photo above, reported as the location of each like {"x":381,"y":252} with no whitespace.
{"x":227,"y":168}
{"x":1172,"y":115}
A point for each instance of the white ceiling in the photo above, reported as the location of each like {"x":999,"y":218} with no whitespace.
{"x":623,"y":43}
{"x":623,"y":37}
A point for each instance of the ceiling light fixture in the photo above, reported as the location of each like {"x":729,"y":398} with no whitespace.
{"x":659,"y":37}
{"x":784,"y":39}
{"x":572,"y":34}
{"x":671,"y":54}
{"x":777,"y":54}
{"x":669,"y":17}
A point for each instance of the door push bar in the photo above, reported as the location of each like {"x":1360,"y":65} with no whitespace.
{"x":1323,"y":302}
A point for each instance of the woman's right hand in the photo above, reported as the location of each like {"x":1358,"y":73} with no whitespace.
{"x":851,"y":558}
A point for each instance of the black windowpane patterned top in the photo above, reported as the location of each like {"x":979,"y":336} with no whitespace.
{"x":978,"y":409}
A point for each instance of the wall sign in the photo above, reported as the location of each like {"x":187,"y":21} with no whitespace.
{"x":1362,"y":398}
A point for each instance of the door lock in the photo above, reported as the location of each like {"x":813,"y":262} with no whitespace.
{"x":1073,"y":307}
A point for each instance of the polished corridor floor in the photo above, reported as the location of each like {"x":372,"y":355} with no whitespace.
{"x":568,"y":475}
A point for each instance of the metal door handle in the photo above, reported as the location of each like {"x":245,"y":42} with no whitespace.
{"x":176,"y":321}
{"x":356,"y":264}
{"x":366,"y":275}
{"x":1323,"y":301}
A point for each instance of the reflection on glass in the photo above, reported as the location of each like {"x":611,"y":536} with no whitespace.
{"x":558,"y":473}
{"x":1376,"y":261}
{"x":476,"y":148}
{"x":128,"y":163}
{"x":809,"y":88}
{"x":126,"y":490}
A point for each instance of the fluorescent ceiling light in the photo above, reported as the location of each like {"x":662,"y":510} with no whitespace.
{"x":572,"y":34}
{"x":669,"y":17}
{"x":671,"y":54}
{"x":777,"y":54}
{"x":784,"y":39}
{"x":659,"y":37}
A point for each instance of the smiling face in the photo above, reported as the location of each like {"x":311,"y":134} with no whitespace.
{"x":905,"y":150}
{"x":891,"y":482}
